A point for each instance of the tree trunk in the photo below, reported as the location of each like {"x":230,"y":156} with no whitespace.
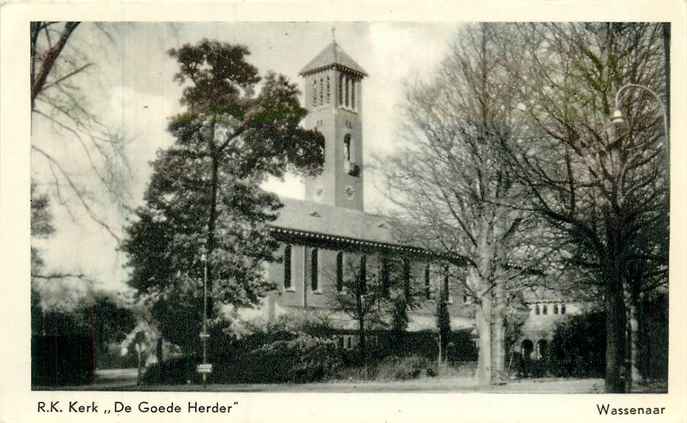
{"x":361,"y":326}
{"x":483,"y":318}
{"x":635,"y":342}
{"x":362,"y":345}
{"x":212,"y":219}
{"x":615,"y":333}
{"x":498,"y":337}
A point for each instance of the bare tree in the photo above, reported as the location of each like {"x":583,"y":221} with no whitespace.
{"x":59,"y":63}
{"x":602,"y":186}
{"x":361,"y":295}
{"x":450,"y":181}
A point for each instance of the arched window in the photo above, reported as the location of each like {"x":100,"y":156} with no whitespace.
{"x":314,"y":92}
{"x":527,"y":348}
{"x":385,"y":276}
{"x":347,"y":147}
{"x":321,"y":91}
{"x":555,"y":309}
{"x":544,"y":309}
{"x":328,"y":90}
{"x":562,"y":308}
{"x":341,"y":342}
{"x":339,"y":271}
{"x":363,"y":274}
{"x":353,"y":84}
{"x":340,"y":89}
{"x":287,"y":267}
{"x":543,"y":348}
{"x":346,"y":91}
{"x":536,"y":309}
{"x":428,"y":292}
{"x":314,"y":281}
{"x":406,"y":278}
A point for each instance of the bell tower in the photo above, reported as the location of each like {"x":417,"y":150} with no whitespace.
{"x":333,"y":94}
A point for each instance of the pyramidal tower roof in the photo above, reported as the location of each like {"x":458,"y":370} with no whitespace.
{"x":332,"y":55}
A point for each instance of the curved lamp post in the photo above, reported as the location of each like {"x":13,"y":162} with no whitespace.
{"x":617,"y":116}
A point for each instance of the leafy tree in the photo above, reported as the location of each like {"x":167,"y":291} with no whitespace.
{"x":204,"y":195}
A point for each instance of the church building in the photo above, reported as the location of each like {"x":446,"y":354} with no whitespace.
{"x":328,"y":235}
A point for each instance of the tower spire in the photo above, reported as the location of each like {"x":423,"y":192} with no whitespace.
{"x":334,"y":34}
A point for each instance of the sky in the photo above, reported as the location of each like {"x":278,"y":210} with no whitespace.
{"x":131,"y":89}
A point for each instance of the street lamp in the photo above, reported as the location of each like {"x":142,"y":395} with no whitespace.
{"x":617,"y":116}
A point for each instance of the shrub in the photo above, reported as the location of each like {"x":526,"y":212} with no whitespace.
{"x":404,"y":368}
{"x":173,"y":371}
{"x":296,"y":358}
{"x":303,"y":359}
{"x":578,"y":347}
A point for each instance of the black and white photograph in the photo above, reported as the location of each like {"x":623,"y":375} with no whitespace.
{"x":346,"y":207}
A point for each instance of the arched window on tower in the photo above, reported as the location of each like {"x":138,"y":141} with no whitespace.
{"x":328,"y":91}
{"x":555,"y":309}
{"x":314,"y":277}
{"x":347,"y":147}
{"x":321,"y":91}
{"x":562,"y":308}
{"x":287,"y":267}
{"x":536,"y":309}
{"x":544,"y":309}
{"x":314,"y":92}
{"x":339,"y":271}
{"x":341,"y":87}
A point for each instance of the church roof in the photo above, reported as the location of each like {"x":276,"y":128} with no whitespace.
{"x":309,"y":216}
{"x":340,"y":227}
{"x":332,"y":55}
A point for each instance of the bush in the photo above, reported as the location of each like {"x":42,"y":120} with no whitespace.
{"x":173,"y":371}
{"x":578,"y":347}
{"x":303,"y":359}
{"x":404,"y":368}
{"x":296,"y":358}
{"x":62,"y":360}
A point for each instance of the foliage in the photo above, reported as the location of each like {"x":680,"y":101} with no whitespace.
{"x":404,"y":368}
{"x":303,"y":359}
{"x":204,"y":196}
{"x":654,"y":328}
{"x":273,"y":354}
{"x":578,"y":346}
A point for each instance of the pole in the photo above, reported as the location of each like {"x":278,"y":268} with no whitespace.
{"x":204,"y":335}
